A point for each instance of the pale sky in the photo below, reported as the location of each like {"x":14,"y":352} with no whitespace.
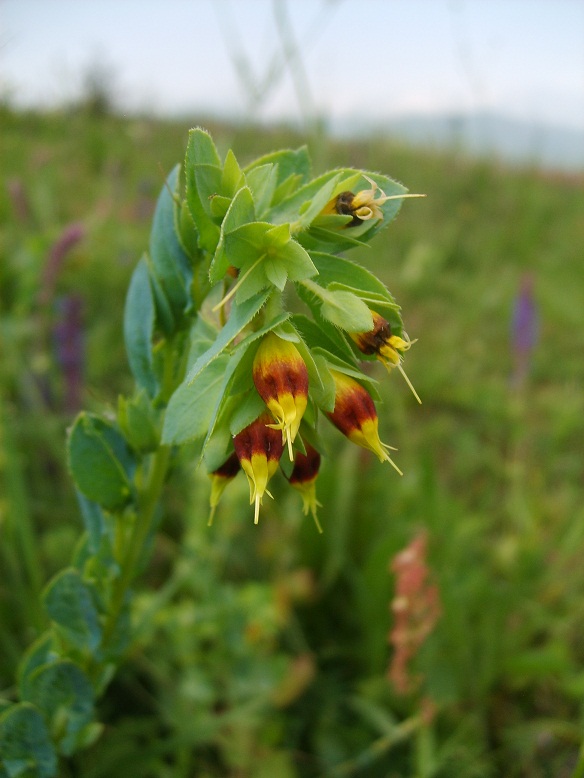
{"x":370,"y":59}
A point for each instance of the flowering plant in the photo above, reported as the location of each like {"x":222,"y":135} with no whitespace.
{"x":244,"y":329}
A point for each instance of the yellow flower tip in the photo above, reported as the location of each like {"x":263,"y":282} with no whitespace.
{"x":258,"y":448}
{"x":288,"y":411}
{"x":220,"y":478}
{"x":303,"y":479}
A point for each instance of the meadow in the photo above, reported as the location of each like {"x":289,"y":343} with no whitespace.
{"x":268,"y":651}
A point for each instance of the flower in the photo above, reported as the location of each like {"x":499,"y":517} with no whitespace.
{"x":362,"y":206}
{"x":303,"y":478}
{"x":219,"y":480}
{"x":355,"y":416}
{"x":281,"y":378}
{"x":387,"y":347}
{"x":258,"y":447}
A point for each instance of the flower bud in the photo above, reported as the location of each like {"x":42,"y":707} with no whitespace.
{"x":303,"y":478}
{"x":219,"y":480}
{"x":281,"y":378}
{"x":355,"y":416}
{"x":259,"y":448}
{"x":386,"y":346}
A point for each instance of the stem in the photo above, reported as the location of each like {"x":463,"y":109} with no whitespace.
{"x":148,"y":497}
{"x":147,"y":502}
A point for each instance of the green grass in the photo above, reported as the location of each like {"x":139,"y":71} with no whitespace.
{"x":263,"y":651}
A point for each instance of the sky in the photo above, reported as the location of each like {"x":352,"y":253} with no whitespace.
{"x":348,"y":60}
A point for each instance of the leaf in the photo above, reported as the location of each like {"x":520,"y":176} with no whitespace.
{"x":276,"y":273}
{"x":344,"y":309}
{"x":139,"y":318}
{"x":247,"y":410}
{"x":241,"y":211}
{"x":25,"y":743}
{"x":333,"y":269}
{"x":191,"y":406}
{"x":41,"y":652}
{"x":99,"y":460}
{"x":289,"y":163}
{"x":321,"y":333}
{"x":333,"y":361}
{"x":239,"y":318}
{"x":201,"y":151}
{"x":232,"y":177}
{"x":94,"y":521}
{"x":171,"y":265}
{"x":139,"y":422}
{"x":69,"y":602}
{"x":262,"y":181}
{"x":64,"y":694}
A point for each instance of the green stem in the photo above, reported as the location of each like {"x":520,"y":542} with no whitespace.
{"x":148,"y":497}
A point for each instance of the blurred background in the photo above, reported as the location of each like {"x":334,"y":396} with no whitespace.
{"x":435,"y":628}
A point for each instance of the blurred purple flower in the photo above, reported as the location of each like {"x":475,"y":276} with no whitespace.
{"x":524,"y":328}
{"x":70,"y":236}
{"x":68,"y":334}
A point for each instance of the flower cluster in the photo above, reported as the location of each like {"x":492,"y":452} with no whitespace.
{"x":262,"y":377}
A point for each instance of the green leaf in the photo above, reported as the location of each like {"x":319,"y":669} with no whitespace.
{"x":25,"y":743}
{"x":298,"y":262}
{"x":139,"y":421}
{"x":239,"y":317}
{"x":99,"y":460}
{"x":343,"y":309}
{"x":41,"y":652}
{"x":191,"y":406}
{"x":69,"y":602}
{"x":300,"y":201}
{"x":290,"y":164}
{"x":232,"y":177}
{"x":321,"y":333}
{"x":241,"y":211}
{"x":201,"y":151}
{"x":63,"y":692}
{"x":171,"y":265}
{"x":276,"y":273}
{"x":333,"y":269}
{"x":247,"y":410}
{"x":139,"y":318}
{"x":325,"y":394}
{"x":94,"y":521}
{"x":262,"y":181}
{"x":336,"y":363}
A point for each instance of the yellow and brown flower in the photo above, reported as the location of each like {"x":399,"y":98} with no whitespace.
{"x":355,"y":416}
{"x":281,"y":378}
{"x":259,"y":448}
{"x":362,"y":206}
{"x":303,"y":479}
{"x":387,"y":347}
{"x":220,"y":478}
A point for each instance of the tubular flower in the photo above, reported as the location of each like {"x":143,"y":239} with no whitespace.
{"x":386,"y":346}
{"x":259,"y":448}
{"x":303,"y":478}
{"x":355,"y":416}
{"x":362,"y":206}
{"x":220,"y":478}
{"x":281,"y":378}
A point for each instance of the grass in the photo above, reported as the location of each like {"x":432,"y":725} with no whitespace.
{"x":264,"y":651}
